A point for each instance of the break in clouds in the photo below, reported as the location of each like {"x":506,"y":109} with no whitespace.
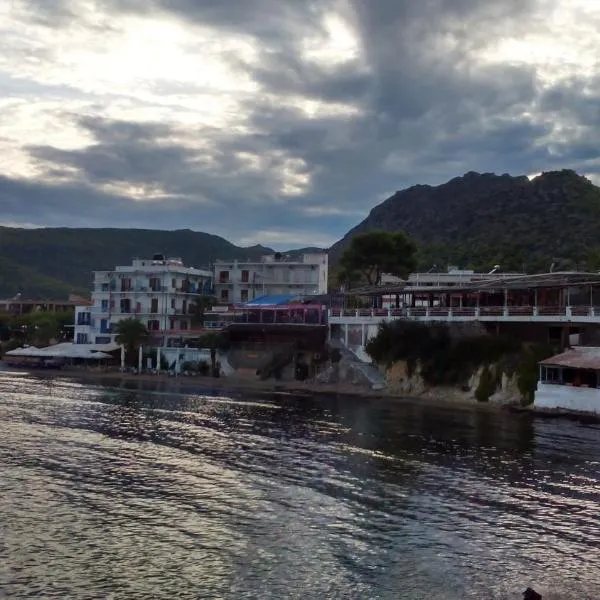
{"x":282,"y":122}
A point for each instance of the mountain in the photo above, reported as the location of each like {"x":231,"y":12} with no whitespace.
{"x":480,"y":220}
{"x":53,"y":262}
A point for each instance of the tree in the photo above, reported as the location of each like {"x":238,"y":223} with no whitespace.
{"x":377,"y":252}
{"x":130,"y":333}
{"x":201,"y":304}
{"x":214,"y":340}
{"x":41,"y":328}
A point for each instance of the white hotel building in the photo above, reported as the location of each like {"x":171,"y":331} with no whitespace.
{"x":158,"y":291}
{"x":237,"y":282}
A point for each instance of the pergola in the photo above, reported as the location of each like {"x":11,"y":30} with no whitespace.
{"x":564,"y":288}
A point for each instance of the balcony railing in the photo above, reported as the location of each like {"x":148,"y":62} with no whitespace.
{"x":482,"y":312}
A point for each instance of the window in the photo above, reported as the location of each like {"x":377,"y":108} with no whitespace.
{"x":224,"y":277}
{"x":155,"y":284}
{"x":104,"y":306}
{"x":83,"y":318}
{"x":154,"y":305}
{"x":103,"y":340}
{"x":125,"y":284}
{"x":174,"y":283}
{"x":244,"y":297}
{"x":245,"y":276}
{"x":126,"y":305}
{"x":153,"y":325}
{"x":104,"y":326}
{"x":104,"y":287}
{"x":82,"y":338}
{"x":172,"y":302}
{"x":224,"y":295}
{"x":183,"y":324}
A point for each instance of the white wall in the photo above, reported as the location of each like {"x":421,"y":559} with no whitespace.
{"x":550,"y":395}
{"x":186,"y":354}
{"x":303,"y":277}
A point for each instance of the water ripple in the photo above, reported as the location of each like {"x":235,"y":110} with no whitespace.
{"x":155,"y":492}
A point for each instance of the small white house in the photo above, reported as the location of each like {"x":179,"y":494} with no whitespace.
{"x":570,"y":381}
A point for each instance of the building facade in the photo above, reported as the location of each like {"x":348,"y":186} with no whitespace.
{"x":17,"y":306}
{"x":237,"y":282}
{"x":159,"y":292}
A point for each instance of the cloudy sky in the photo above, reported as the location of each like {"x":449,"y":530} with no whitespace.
{"x":282,"y":121}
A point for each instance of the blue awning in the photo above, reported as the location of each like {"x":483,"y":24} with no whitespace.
{"x":271,"y":300}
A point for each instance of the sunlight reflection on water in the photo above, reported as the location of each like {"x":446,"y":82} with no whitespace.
{"x":108,"y":492}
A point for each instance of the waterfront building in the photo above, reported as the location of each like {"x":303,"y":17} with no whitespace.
{"x":238,"y":282}
{"x":561,"y":308}
{"x":570,"y":381}
{"x":453,"y":277}
{"x":159,"y":292}
{"x":18,"y":306}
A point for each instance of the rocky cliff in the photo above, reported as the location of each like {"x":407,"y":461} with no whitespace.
{"x":486,"y":219}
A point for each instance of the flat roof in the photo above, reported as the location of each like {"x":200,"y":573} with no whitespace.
{"x":580,"y":358}
{"x":515,"y":282}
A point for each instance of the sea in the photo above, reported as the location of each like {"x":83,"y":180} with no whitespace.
{"x":143,"y":490}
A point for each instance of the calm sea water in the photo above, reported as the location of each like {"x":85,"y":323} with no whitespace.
{"x":112,"y":492}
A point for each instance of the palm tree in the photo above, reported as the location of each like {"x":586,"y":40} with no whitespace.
{"x":130,"y":333}
{"x":199,"y":306}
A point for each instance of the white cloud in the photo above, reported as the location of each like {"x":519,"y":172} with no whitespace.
{"x":302,"y":118}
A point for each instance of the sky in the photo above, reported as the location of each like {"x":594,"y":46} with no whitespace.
{"x":282,"y":122}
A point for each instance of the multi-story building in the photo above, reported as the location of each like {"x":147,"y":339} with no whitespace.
{"x":237,"y":282}
{"x":158,"y":291}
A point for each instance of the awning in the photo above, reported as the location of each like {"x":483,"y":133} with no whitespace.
{"x":581,"y":358}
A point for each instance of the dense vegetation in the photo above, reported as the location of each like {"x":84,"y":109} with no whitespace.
{"x":444,"y":359}
{"x":53,"y":262}
{"x":35,"y":329}
{"x":480,"y":220}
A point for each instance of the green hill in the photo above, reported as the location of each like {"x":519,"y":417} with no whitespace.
{"x":53,"y":262}
{"x":480,"y":220}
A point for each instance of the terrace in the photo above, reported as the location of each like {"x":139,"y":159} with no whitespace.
{"x":543,"y":298}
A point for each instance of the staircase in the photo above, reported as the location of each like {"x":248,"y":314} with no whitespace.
{"x":353,"y":370}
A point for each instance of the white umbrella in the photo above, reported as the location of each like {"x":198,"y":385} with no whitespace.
{"x":27,"y":351}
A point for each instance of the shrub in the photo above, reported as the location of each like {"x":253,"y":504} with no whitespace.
{"x":528,"y":370}
{"x":203,"y":368}
{"x":443,"y":360}
{"x":488,"y":384}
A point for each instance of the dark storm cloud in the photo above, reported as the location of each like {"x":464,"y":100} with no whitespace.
{"x":420,"y":108}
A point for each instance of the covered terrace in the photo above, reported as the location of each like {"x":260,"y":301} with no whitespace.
{"x":561,"y":294}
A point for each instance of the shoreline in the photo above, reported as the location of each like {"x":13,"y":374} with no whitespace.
{"x":299,"y":389}
{"x":247,"y":384}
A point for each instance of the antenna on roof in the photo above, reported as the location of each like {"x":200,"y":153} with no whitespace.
{"x":496,"y":267}
{"x":552,"y":267}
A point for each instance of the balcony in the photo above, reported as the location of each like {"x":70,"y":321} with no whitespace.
{"x":533,"y":314}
